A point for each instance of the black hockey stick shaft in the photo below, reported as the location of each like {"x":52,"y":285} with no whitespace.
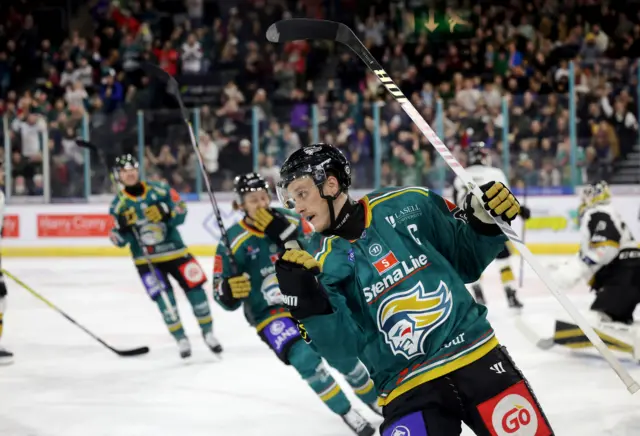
{"x":134,"y":231}
{"x":123,"y":353}
{"x":301,"y":28}
{"x":174,"y":89}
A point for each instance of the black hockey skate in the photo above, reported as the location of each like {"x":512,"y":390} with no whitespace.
{"x":512,"y":298}
{"x":478,"y":295}
{"x":6,"y":357}
{"x":357,"y":423}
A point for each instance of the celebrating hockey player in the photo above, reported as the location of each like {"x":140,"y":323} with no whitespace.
{"x":482,"y":172}
{"x":256,"y":243}
{"x":147,"y":217}
{"x":6,"y":356}
{"x":386,"y":280}
{"x":609,"y":259}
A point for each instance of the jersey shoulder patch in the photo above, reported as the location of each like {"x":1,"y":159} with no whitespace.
{"x":238,"y":237}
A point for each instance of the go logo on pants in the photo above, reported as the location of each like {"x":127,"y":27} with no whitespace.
{"x":514,"y":413}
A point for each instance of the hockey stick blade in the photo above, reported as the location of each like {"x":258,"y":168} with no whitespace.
{"x":286,"y":30}
{"x":122,"y":353}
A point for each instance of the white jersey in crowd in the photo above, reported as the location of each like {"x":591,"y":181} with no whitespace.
{"x":481,"y":174}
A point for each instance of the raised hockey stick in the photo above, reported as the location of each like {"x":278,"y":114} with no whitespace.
{"x":299,"y":28}
{"x":136,"y":235}
{"x":122,"y":353}
{"x":524,"y":235}
{"x":174,"y":89}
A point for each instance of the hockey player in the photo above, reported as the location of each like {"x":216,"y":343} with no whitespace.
{"x":482,"y":172}
{"x":147,"y":216}
{"x":256,"y":243}
{"x":386,"y":280}
{"x":609,"y":259}
{"x":6,"y":356}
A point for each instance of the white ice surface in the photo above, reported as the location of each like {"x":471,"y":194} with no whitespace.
{"x":65,"y":384}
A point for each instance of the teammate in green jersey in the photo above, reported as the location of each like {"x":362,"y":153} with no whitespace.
{"x":147,"y":216}
{"x":256,"y":243}
{"x":385,"y":280}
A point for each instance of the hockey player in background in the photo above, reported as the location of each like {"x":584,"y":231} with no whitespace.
{"x":480,"y":169}
{"x":149,"y":213}
{"x":385,"y":278}
{"x":256,"y":242}
{"x":6,"y":356}
{"x":609,"y":260}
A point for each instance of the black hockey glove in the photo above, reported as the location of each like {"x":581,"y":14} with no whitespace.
{"x":158,"y":212}
{"x":525,"y":212}
{"x":275,"y":225}
{"x":303,"y":294}
{"x":234,"y":288}
{"x":496,"y":201}
{"x":123,"y":224}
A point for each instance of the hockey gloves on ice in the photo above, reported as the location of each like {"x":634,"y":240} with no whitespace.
{"x":302,"y":292}
{"x":496,"y":201}
{"x":275,"y":225}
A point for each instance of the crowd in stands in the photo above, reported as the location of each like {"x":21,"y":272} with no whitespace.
{"x":518,"y":51}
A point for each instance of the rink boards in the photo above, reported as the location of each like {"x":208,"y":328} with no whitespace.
{"x":67,"y":230}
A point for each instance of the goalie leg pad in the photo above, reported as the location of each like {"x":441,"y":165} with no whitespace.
{"x":280,"y":333}
{"x":309,"y":365}
{"x":618,"y":300}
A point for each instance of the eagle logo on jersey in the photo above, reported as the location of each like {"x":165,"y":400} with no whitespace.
{"x":407,"y":318}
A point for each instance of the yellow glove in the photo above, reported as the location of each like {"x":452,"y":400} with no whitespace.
{"x":238,"y":287}
{"x":156,"y":213}
{"x":275,"y":225}
{"x":302,"y":258}
{"x":500,"y":201}
{"x":496,"y":201}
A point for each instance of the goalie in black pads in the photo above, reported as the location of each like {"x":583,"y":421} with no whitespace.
{"x":609,"y":260}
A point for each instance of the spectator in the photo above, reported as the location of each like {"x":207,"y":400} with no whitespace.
{"x":191,"y":55}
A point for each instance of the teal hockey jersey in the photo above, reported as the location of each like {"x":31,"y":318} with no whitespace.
{"x":162,"y":239}
{"x":398,"y":292}
{"x":255,"y":255}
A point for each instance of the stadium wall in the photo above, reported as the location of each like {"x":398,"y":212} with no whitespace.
{"x":68,"y":230}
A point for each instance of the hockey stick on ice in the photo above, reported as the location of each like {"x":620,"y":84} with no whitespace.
{"x":136,"y":235}
{"x":122,"y":353}
{"x":297,"y":29}
{"x":174,"y":90}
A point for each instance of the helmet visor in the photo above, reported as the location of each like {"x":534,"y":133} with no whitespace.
{"x":290,"y":190}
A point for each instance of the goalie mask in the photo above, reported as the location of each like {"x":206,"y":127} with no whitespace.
{"x":593,"y":195}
